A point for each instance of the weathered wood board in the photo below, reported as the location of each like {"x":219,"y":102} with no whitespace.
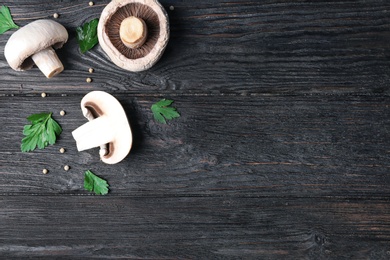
{"x":281,"y":151}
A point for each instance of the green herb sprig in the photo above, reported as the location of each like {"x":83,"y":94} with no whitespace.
{"x":87,"y":35}
{"x":95,"y":183}
{"x":42,"y":131}
{"x":163,"y":111}
{"x":6,"y":22}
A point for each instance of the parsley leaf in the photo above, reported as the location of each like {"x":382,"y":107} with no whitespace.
{"x":162,"y":110}
{"x":6,"y":22}
{"x":95,"y":183}
{"x":42,"y":132}
{"x":87,"y":35}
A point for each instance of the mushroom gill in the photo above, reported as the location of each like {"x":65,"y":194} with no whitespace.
{"x":144,"y":12}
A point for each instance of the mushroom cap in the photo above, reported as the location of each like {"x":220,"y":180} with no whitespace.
{"x":32,"y":38}
{"x":157,"y":47}
{"x":109,"y":126}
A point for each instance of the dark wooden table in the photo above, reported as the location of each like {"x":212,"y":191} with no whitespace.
{"x":282,"y":150}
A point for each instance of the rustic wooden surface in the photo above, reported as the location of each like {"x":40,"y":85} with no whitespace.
{"x":281,"y":151}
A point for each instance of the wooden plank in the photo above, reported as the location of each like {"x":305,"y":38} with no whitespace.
{"x":281,"y":150}
{"x":228,"y":47}
{"x":193,"y":227}
{"x":258,"y":146}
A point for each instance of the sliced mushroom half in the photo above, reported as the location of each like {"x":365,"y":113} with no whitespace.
{"x":134,"y":33}
{"x":108,"y":127}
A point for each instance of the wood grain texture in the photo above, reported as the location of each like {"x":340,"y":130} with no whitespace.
{"x":193,"y":227}
{"x":281,"y":150}
{"x":230,"y":47}
{"x":287,"y":145}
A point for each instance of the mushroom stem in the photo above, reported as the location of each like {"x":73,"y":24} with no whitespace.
{"x":103,"y":147}
{"x":48,"y":62}
{"x":93,"y":133}
{"x":133,"y":32}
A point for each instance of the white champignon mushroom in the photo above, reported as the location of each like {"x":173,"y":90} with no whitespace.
{"x":34,"y":43}
{"x":134,"y":33}
{"x":108,"y":126}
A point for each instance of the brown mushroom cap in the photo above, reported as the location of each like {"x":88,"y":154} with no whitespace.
{"x":32,"y":38}
{"x":142,"y":57}
{"x":110,"y":126}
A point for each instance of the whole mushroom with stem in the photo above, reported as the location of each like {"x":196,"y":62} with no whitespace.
{"x":35,"y":44}
{"x":134,"y":33}
{"x":107,"y":127}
